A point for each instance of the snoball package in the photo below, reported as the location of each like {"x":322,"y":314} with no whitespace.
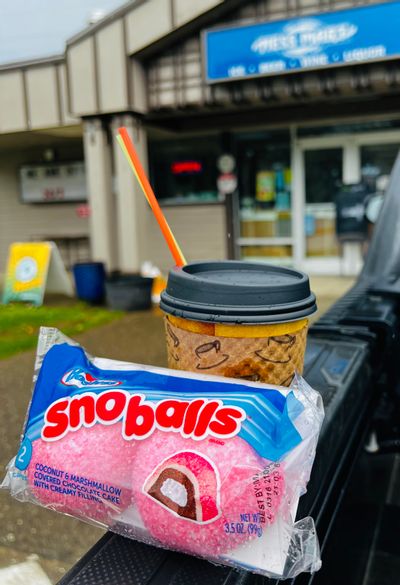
{"x":204,"y":465}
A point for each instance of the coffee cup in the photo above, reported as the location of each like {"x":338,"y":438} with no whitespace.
{"x":237,"y":319}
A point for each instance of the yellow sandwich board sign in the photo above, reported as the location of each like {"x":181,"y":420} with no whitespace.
{"x":32,"y":268}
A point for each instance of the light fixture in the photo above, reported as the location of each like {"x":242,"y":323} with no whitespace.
{"x":48,"y":155}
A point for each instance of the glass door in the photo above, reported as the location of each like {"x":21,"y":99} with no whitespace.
{"x":379,"y":157}
{"x":265,"y":184}
{"x":323,"y":165}
{"x":323,"y":178}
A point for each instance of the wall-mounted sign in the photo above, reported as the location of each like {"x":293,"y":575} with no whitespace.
{"x":358,"y":35}
{"x":226,"y":163}
{"x":186,"y":167}
{"x":32,"y":268}
{"x":53,"y":183}
{"x":226,"y":183}
{"x":83,"y":211}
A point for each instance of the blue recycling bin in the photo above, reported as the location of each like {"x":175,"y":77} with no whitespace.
{"x":89,"y":281}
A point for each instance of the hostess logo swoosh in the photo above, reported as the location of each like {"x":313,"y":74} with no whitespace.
{"x":80,"y":378}
{"x":304,"y":37}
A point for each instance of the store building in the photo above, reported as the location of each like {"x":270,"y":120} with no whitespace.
{"x":300,"y":94}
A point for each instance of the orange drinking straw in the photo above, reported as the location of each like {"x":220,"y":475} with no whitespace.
{"x":129,"y":150}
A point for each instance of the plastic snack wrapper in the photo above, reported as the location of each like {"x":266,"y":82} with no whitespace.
{"x":204,"y":465}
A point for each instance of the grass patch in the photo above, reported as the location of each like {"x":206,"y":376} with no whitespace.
{"x":19,"y":323}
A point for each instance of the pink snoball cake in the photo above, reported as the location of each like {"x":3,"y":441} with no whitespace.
{"x":202,"y":496}
{"x":87,"y":472}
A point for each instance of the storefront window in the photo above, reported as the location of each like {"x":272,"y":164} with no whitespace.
{"x":185,"y":170}
{"x":378,"y":159}
{"x":323,"y":173}
{"x":278,"y":254}
{"x":265,"y":194}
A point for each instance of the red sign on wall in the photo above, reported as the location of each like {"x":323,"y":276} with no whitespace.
{"x":226,"y":183}
{"x":83,"y":211}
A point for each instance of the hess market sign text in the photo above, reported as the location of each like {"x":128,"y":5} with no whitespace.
{"x":331,"y":39}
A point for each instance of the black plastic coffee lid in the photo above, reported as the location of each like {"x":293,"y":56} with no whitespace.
{"x":238,"y":292}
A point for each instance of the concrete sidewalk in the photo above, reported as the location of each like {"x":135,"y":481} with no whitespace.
{"x":59,"y":541}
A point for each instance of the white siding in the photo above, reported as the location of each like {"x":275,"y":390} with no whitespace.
{"x":12,"y":103}
{"x":147,"y":23}
{"x":112,"y":68}
{"x":199,"y":230}
{"x":21,"y":222}
{"x":42,"y":95}
{"x":82,"y":77}
{"x":67,"y":119}
{"x":185,"y":10}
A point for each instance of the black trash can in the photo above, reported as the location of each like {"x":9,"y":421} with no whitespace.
{"x":128,"y":292}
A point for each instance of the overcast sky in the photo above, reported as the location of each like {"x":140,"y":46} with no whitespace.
{"x":39,"y":28}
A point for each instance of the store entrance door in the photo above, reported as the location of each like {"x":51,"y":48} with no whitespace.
{"x":322,"y":178}
{"x":322,"y":164}
{"x":265,"y":177}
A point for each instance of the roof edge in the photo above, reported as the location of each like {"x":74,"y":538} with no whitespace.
{"x":109,"y":18}
{"x":224,"y":6}
{"x":52,"y":60}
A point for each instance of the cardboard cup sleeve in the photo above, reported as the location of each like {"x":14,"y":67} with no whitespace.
{"x":263,"y":353}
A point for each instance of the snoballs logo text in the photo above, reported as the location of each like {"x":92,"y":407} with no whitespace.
{"x":139,"y":418}
{"x":79,"y":378}
{"x":304,"y":37}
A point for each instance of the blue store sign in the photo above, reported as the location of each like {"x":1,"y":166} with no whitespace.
{"x":359,"y":35}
